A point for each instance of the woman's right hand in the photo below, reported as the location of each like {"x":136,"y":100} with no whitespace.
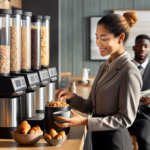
{"x":64,"y":94}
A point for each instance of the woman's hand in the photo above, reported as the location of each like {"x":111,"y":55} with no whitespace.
{"x":64,"y":94}
{"x":76,"y":120}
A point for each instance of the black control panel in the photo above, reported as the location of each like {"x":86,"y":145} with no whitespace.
{"x":52,"y":73}
{"x":10,"y":85}
{"x":44,"y":76}
{"x":31,"y":79}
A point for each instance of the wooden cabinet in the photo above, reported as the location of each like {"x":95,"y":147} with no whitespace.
{"x":5,"y":4}
{"x":16,"y":3}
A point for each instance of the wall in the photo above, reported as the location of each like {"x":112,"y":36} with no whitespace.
{"x":75,"y":30}
{"x":47,"y":7}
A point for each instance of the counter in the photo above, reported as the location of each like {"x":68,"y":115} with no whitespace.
{"x":75,"y":139}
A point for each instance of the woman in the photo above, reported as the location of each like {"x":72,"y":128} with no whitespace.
{"x":115,"y":93}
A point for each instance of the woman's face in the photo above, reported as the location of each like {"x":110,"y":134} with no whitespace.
{"x":106,"y":41}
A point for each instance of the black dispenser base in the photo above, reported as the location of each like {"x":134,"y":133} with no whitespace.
{"x":5,"y":132}
{"x":49,"y":119}
{"x":38,"y":120}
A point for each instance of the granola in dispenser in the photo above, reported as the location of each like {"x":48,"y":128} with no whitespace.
{"x":44,"y":46}
{"x":15,"y":64}
{"x":25,"y":51}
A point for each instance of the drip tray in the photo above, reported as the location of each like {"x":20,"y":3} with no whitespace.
{"x":39,"y":116}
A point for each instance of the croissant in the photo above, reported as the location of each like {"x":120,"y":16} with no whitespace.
{"x":39,"y":129}
{"x":61,"y":135}
{"x":53,"y":133}
{"x":24,"y":127}
{"x":35,"y":130}
{"x":47,"y":136}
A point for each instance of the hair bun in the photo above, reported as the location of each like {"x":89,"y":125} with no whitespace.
{"x":131,"y":18}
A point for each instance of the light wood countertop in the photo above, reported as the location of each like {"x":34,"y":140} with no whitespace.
{"x":75,"y":139}
{"x":69,"y":144}
{"x":75,"y":78}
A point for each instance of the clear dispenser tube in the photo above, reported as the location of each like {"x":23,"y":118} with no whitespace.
{"x":45,"y":36}
{"x":36,"y":42}
{"x":15,"y":41}
{"x":26,"y":41}
{"x":5,"y":41}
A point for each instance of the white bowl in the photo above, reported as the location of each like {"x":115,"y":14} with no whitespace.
{"x":55,"y":142}
{"x":65,"y":114}
{"x":26,"y":139}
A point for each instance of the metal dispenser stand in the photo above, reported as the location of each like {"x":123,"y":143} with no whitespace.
{"x":29,"y":98}
{"x":41,"y":92}
{"x":51,"y":85}
{"x":11,"y":88}
{"x":40,"y":99}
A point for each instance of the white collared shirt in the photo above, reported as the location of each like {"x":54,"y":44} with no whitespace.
{"x":142,"y":70}
{"x":143,"y":65}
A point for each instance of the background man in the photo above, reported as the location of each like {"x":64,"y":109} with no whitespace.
{"x":141,"y":125}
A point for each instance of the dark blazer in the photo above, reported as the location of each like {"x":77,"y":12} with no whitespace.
{"x":146,"y":85}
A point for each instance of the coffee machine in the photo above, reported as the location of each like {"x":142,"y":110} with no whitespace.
{"x":11,"y":89}
{"x":51,"y":85}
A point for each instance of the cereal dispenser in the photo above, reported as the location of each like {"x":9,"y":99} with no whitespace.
{"x":45,"y":51}
{"x":15,"y":41}
{"x":11,"y":88}
{"x":41,"y":95}
{"x":36,"y":42}
{"x":26,"y":41}
{"x":5,"y":41}
{"x":45,"y":55}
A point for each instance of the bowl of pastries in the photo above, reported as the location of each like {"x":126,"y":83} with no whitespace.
{"x":54,"y":109}
{"x":26,"y":135}
{"x":54,"y":138}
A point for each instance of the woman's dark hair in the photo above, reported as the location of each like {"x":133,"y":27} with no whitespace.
{"x":117,"y":24}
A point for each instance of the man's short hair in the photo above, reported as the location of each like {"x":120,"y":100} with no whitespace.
{"x":142,"y":36}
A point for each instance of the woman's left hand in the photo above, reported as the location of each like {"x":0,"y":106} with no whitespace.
{"x":76,"y":120}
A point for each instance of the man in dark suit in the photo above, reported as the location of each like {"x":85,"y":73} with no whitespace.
{"x":141,"y":125}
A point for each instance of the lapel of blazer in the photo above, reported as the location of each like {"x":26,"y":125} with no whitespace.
{"x":97,"y":79}
{"x":147,"y":70}
{"x":112,"y":73}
